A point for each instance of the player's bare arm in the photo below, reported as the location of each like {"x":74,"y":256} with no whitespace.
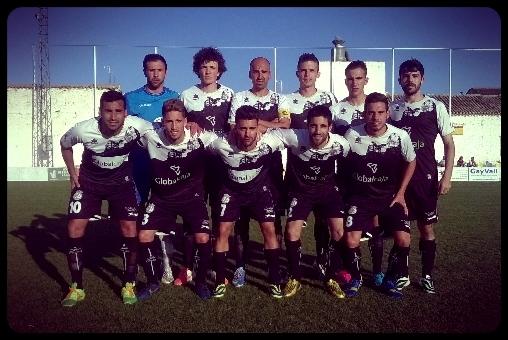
{"x":445,"y":183}
{"x":406,"y":177}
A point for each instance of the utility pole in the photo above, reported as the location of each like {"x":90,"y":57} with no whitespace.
{"x":42,"y":136}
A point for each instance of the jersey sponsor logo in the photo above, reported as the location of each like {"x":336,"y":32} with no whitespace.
{"x":369,"y":179}
{"x":171,"y":181}
{"x":243,"y":176}
{"x":145,"y":105}
{"x":211,"y":119}
{"x":176,"y":169}
{"x":311,"y":178}
{"x":373,"y":167}
{"x":108,"y":163}
{"x":77,"y":195}
{"x":316,"y":169}
{"x":418,"y":144}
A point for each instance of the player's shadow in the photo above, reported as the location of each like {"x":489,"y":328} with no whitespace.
{"x":45,"y":235}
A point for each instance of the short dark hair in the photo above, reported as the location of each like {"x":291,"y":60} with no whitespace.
{"x":319,"y":111}
{"x":174,"y":105}
{"x":411,"y":65}
{"x":246,"y":112}
{"x":112,"y":96}
{"x":356,"y":64}
{"x":307,"y":57}
{"x":209,"y":54}
{"x":376,"y":97}
{"x":153,"y":57}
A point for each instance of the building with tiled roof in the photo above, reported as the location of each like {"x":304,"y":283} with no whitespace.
{"x":486,"y":91}
{"x":470,"y":105}
{"x":476,"y":117}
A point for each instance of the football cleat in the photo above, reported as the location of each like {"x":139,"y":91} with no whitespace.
{"x":427,"y":284}
{"x":275,"y":291}
{"x":292,"y":287}
{"x":73,"y":296}
{"x":239,"y":277}
{"x":390,"y":288}
{"x":128,"y":295}
{"x":334,"y":288}
{"x":377,"y":279}
{"x":167,"y":276}
{"x":202,"y":290}
{"x":402,"y":282}
{"x":219,"y":291}
{"x":352,"y":288}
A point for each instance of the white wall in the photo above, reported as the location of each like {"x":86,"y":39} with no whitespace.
{"x":481,"y":139}
{"x":69,"y":105}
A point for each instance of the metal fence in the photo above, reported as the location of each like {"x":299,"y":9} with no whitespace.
{"x":447,"y":70}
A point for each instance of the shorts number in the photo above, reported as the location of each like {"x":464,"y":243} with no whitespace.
{"x":290,"y":212}
{"x":145,"y":219}
{"x":223,"y":208}
{"x":74,"y":207}
{"x":349,"y":221}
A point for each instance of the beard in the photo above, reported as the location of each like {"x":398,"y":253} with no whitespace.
{"x":410,"y":90}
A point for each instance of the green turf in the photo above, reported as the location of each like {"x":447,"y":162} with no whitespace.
{"x":467,"y":277}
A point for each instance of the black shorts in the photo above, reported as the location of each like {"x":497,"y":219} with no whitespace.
{"x":159,"y":214}
{"x":421,"y":199}
{"x":259,"y":204}
{"x":327,"y":205}
{"x":359,"y":216}
{"x":86,"y":201}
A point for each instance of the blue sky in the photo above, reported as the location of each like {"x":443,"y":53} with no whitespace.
{"x":121,"y":33}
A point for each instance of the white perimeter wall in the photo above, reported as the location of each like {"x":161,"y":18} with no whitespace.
{"x":481,"y":139}
{"x":68,"y":106}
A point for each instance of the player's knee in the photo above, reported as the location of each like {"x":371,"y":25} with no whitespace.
{"x":146,"y":236}
{"x":426,"y":231}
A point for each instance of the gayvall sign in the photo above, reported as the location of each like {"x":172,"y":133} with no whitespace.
{"x":58,"y":174}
